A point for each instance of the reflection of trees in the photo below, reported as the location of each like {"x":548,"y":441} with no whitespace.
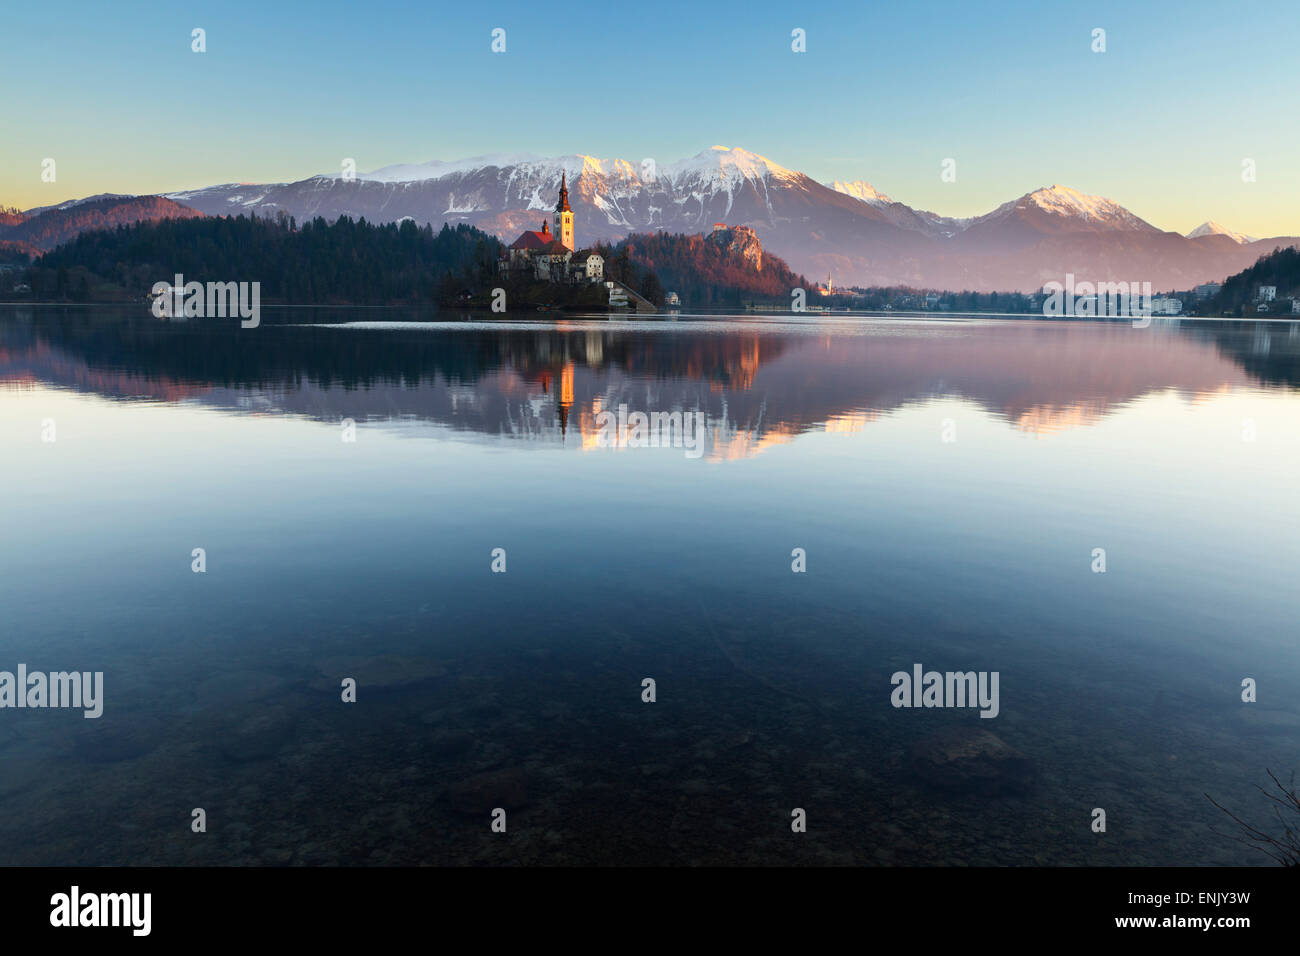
{"x":1269,"y":351}
{"x":227,"y":356}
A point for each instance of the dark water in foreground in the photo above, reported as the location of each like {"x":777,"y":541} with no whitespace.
{"x":949,"y":482}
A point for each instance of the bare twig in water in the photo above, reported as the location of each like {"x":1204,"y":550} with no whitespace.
{"x":1285,"y":850}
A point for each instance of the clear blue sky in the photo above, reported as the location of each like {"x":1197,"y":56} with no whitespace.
{"x":1160,"y":122}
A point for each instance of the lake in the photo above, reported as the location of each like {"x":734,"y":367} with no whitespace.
{"x":469,"y":519}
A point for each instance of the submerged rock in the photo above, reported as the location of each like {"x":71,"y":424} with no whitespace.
{"x":255,"y":736}
{"x":451,"y":743}
{"x":375,"y":673}
{"x":1268,"y":721}
{"x":237,"y":689}
{"x":484,"y":792}
{"x":123,"y":737}
{"x":971,"y":760}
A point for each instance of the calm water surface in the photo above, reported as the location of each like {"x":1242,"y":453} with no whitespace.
{"x":948,"y":480}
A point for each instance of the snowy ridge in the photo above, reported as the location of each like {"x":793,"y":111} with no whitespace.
{"x":37,"y":210}
{"x":860,"y":190}
{"x":721,"y":172}
{"x":437,"y":169}
{"x":721,"y":166}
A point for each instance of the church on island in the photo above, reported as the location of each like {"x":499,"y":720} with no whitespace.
{"x":550,"y":256}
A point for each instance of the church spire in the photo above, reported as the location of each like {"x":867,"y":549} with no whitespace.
{"x":563,"y":204}
{"x":564,"y":215}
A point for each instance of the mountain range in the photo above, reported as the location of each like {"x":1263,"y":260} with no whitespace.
{"x":849,"y":231}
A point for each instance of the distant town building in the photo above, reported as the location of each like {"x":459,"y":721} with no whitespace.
{"x":673,"y":299}
{"x":1166,"y":305}
{"x":1207,"y":289}
{"x":1295,"y":306}
{"x":1267,"y":293}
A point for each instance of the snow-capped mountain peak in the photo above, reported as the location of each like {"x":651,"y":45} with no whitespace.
{"x":1212,"y":228}
{"x":1064,"y":201}
{"x":860,"y":190}
{"x":1069,"y":210}
{"x":727,"y":166}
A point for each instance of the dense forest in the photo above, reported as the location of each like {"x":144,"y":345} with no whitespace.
{"x":345,"y":262}
{"x":705,"y":272}
{"x":1280,"y":268}
{"x":14,"y":252}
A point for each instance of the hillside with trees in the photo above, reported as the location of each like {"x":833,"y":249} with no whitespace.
{"x":13,"y":250}
{"x":726,"y":269}
{"x":1280,"y":268}
{"x":42,"y":230}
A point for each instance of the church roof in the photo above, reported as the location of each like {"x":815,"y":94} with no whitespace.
{"x":532,"y":240}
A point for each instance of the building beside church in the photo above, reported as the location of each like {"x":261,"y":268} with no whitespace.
{"x":550,"y":256}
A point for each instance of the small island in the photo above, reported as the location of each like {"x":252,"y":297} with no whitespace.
{"x":541,"y":269}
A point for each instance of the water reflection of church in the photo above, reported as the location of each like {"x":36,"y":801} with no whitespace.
{"x":721,"y":366}
{"x":564,"y":400}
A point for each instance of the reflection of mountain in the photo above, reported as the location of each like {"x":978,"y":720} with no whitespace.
{"x":30,"y":359}
{"x":758,"y":384}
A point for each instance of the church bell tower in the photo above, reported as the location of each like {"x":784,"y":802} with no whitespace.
{"x":564,"y":216}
